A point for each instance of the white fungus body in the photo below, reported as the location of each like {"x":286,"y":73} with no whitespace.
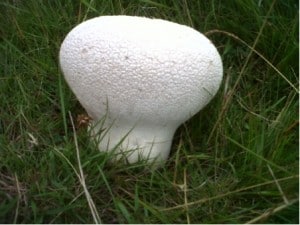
{"x":143,"y":76}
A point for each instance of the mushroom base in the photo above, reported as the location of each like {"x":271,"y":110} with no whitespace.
{"x":134,"y":143}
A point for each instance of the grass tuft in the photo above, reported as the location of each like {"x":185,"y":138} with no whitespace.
{"x":236,"y":161}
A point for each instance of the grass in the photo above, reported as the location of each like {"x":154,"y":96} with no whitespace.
{"x":234,"y":162}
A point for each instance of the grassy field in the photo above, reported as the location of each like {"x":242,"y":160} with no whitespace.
{"x":234,"y":162}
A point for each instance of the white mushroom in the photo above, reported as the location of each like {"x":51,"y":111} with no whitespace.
{"x":144,"y":76}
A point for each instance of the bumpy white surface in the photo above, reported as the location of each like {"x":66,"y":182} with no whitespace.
{"x":146,"y":75}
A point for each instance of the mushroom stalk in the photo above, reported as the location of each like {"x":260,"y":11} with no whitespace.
{"x":137,"y":141}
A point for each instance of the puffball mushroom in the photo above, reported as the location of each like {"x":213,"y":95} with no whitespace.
{"x":144,"y":76}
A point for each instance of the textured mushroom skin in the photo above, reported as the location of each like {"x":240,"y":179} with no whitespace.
{"x":145,"y":76}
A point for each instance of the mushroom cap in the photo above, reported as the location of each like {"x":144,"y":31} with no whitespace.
{"x":140,"y":69}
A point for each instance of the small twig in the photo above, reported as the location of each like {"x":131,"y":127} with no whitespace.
{"x":253,"y":113}
{"x":271,"y":211}
{"x":292,"y":126}
{"x":91,"y":203}
{"x":188,"y":13}
{"x":286,"y":201}
{"x":256,"y":154}
{"x":19,"y":197}
{"x":89,"y":7}
{"x":177,"y":160}
{"x":61,"y":212}
{"x":185,"y":197}
{"x":200,"y":201}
